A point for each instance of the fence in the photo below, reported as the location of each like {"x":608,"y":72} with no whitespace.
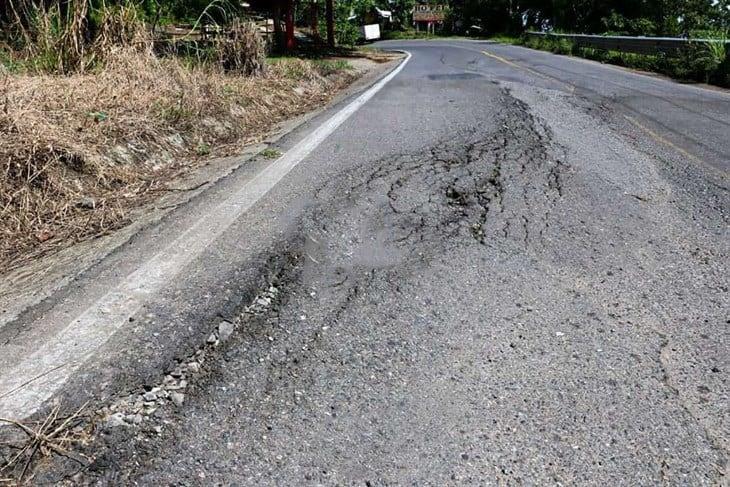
{"x":207,"y":33}
{"x":670,"y":46}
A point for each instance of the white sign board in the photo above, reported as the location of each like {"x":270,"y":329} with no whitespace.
{"x":370,"y":32}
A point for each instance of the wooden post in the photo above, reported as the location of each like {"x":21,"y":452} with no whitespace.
{"x":330,"y":16}
{"x":289,"y":20}
{"x":278,"y":34}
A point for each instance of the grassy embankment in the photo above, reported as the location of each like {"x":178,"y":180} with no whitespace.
{"x":92,"y":127}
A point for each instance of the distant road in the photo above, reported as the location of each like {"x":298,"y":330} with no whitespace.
{"x":695,"y":119}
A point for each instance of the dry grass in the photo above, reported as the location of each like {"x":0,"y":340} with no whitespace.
{"x":54,"y":435}
{"x":244,"y":52}
{"x":78,"y":152}
{"x":55,"y":36}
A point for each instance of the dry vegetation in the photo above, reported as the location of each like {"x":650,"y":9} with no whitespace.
{"x":78,"y":151}
{"x":32,"y":441}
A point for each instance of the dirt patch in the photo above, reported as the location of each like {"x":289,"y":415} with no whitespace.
{"x":80,"y":152}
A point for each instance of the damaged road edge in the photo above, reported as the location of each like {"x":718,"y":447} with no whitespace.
{"x":56,"y":360}
{"x":85,"y":435}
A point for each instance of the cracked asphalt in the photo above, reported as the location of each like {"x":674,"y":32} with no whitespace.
{"x":492,"y":274}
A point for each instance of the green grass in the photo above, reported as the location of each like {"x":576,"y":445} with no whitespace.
{"x":290,"y":66}
{"x":39,"y":63}
{"x":331,"y":66}
{"x":270,"y":153}
{"x":406,"y":34}
{"x":202,"y":149}
{"x":296,"y":67}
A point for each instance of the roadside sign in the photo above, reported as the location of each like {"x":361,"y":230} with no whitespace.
{"x":429,"y":13}
{"x":370,"y":32}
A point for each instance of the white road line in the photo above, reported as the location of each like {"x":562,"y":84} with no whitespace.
{"x":35,"y":379}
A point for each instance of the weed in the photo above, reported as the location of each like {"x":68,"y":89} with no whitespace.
{"x":270,"y":153}
{"x":99,"y":116}
{"x":505,"y":39}
{"x":708,"y":55}
{"x":244,"y":51}
{"x":563,"y":46}
{"x":228,"y":90}
{"x":57,"y":37}
{"x":202,"y":149}
{"x":177,"y":113}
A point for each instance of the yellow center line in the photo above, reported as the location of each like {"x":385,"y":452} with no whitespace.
{"x":663,"y":140}
{"x":635,"y":122}
{"x":529,"y":70}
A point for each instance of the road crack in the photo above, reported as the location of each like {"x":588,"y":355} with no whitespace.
{"x":481,"y":184}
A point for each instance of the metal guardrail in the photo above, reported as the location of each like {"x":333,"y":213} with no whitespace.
{"x":670,"y":46}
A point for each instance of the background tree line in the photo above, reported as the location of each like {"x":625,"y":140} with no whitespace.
{"x":68,"y":24}
{"x":630,"y":17}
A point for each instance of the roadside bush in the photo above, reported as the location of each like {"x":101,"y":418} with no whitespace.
{"x":347,"y":34}
{"x":710,"y":55}
{"x":244,"y":52}
{"x":617,"y":24}
{"x":721,"y":76}
{"x":117,"y":27}
{"x":702,"y":61}
{"x":77,"y":38}
{"x":562,"y":46}
{"x":539,"y":43}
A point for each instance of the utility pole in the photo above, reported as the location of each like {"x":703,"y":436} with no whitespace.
{"x":330,"y":17}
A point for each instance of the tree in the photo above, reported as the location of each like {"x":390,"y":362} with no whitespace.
{"x":330,"y":19}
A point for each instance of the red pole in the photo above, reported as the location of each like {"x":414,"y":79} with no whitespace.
{"x":290,"y":43}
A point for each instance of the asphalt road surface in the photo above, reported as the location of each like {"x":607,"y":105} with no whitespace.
{"x":507,"y":267}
